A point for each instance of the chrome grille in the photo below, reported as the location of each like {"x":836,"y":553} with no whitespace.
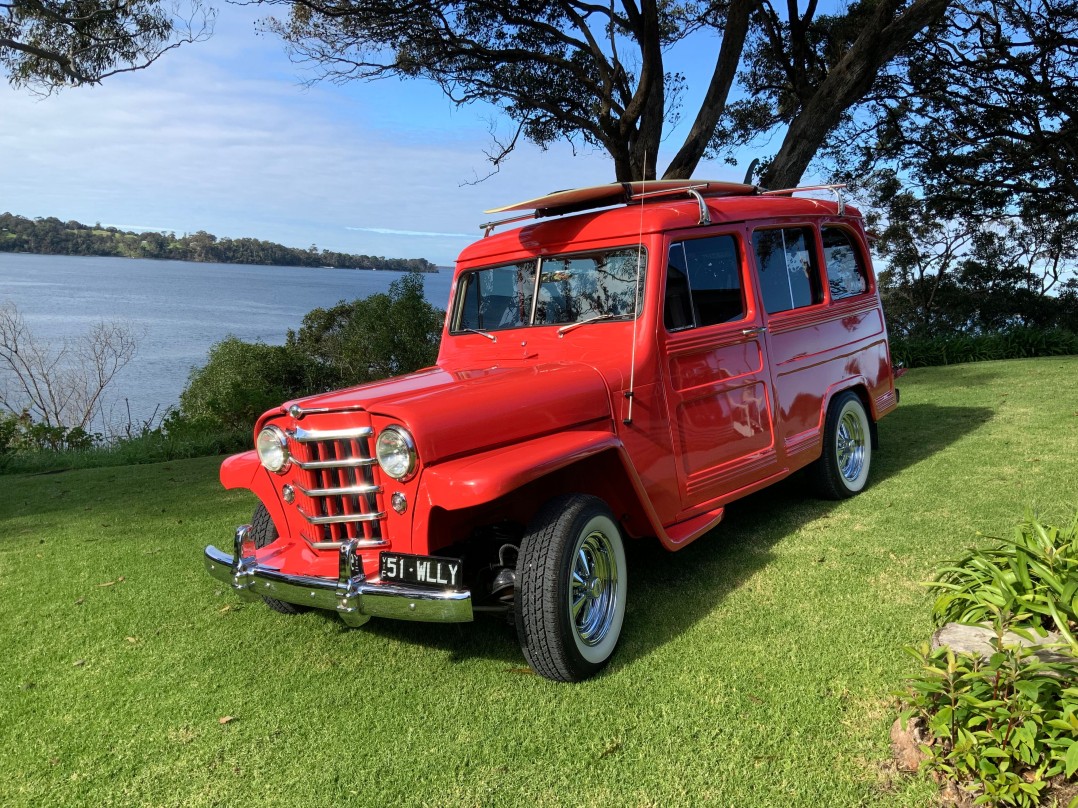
{"x":340,"y":483}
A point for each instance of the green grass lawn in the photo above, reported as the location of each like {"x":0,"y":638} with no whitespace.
{"x":755,"y":669}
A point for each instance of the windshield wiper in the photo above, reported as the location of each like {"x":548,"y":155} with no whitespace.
{"x":486,"y":334}
{"x":565,"y":329}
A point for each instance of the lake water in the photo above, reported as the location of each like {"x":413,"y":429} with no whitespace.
{"x":179,"y":308}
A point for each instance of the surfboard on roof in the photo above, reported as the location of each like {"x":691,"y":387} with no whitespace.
{"x":616,"y":193}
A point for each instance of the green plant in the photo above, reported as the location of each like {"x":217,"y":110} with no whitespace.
{"x":1003,"y":726}
{"x":1032,"y":576}
{"x":21,"y":434}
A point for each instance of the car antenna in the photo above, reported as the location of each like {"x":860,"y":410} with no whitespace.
{"x":628,"y":419}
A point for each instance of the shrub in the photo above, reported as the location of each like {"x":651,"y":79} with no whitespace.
{"x":1005,"y":725}
{"x":365,"y":340}
{"x":1015,"y":343}
{"x":22,"y":434}
{"x":239,"y":382}
{"x":350,"y":343}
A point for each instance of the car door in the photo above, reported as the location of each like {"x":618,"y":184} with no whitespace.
{"x":718,"y":386}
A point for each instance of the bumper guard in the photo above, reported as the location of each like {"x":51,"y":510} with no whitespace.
{"x":352,"y":595}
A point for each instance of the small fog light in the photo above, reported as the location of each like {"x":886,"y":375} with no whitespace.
{"x":289,"y":493}
{"x":399,"y":502}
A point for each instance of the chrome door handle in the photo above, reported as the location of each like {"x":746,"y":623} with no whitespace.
{"x":752,"y":332}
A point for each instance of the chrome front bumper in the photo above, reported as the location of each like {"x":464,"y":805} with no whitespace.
{"x":352,"y":595}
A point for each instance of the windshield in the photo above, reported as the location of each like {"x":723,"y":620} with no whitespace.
{"x":553,"y":290}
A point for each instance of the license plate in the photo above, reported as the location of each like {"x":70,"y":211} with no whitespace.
{"x":444,"y":573}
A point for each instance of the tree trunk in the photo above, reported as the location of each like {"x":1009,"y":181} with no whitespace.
{"x":714,"y":104}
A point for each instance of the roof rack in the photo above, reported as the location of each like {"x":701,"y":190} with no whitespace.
{"x":576,"y":200}
{"x":835,"y":189}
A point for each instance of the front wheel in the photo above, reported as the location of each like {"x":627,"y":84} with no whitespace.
{"x":264,"y":533}
{"x":571,"y":588}
{"x":842,"y":469}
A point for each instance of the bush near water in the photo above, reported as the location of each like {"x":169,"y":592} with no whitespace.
{"x":351,"y":343}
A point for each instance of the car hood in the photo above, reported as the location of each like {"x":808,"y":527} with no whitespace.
{"x":452,"y":412}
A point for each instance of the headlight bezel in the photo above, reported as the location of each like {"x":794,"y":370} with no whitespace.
{"x":404,"y":444}
{"x":280,"y":441}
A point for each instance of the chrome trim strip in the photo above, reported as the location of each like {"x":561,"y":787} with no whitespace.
{"x":341,"y":518}
{"x":362,"y":544}
{"x":297,"y":412}
{"x":351,"y":595}
{"x":348,"y":490}
{"x":314,"y":435}
{"x":340,"y":463}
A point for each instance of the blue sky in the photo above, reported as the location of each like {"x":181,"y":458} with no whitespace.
{"x":223,"y":136}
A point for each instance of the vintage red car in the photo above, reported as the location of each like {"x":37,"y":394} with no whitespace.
{"x":616,"y":374}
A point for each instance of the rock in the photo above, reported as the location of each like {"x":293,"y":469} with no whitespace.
{"x":905,"y":744}
{"x":979,"y":640}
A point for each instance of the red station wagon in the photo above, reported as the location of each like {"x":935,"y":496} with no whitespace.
{"x":621,"y":373}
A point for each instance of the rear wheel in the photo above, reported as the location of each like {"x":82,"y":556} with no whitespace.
{"x":263,"y":533}
{"x":842,"y":469}
{"x":571,"y":588}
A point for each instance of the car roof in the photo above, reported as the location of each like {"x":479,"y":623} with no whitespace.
{"x":638,"y":218}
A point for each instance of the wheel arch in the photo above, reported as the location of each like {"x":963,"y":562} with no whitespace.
{"x":603,"y":474}
{"x":859,"y":387}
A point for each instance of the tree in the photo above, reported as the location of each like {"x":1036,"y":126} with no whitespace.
{"x":49,"y":44}
{"x":373,"y":338}
{"x":969,"y":144}
{"x":593,"y":73}
{"x":982,"y":111}
{"x":61,"y":386}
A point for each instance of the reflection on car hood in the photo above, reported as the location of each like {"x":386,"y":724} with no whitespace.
{"x":451,"y":412}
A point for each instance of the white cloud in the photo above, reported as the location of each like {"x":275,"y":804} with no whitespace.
{"x":221,"y":137}
{"x":386,"y":231}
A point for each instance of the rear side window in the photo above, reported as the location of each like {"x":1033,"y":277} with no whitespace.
{"x":846,"y":274}
{"x":786,"y":260}
{"x":703,"y":283}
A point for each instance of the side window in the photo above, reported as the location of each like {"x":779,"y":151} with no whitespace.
{"x":786,"y":260}
{"x":703,"y":283}
{"x":846,"y":274}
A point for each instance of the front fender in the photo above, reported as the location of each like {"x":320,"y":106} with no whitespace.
{"x":240,"y":471}
{"x":485,"y":477}
{"x":245,"y":470}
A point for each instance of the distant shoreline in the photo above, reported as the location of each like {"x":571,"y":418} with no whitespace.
{"x":50,"y":236}
{"x":433,"y":271}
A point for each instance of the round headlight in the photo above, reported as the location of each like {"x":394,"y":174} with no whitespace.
{"x":272,"y":446}
{"x":396,"y":452}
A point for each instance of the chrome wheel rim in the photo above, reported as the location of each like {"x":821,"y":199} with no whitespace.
{"x":593,"y":588}
{"x":851,"y":446}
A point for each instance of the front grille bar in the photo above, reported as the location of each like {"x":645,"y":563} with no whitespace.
{"x":342,"y":463}
{"x":341,"y":518}
{"x":316,"y":435}
{"x":348,"y":490}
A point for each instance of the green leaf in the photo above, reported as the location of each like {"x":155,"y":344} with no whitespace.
{"x":1071,"y":760}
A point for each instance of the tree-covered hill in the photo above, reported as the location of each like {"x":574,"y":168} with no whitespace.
{"x":50,"y":236}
